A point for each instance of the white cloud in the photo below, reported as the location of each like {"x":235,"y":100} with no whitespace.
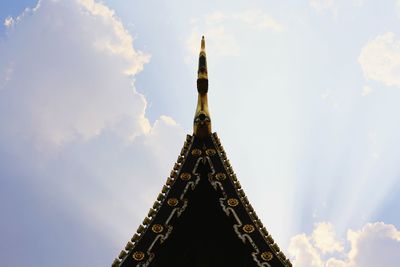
{"x":372,"y":240}
{"x":324,"y":238}
{"x":218,"y":29}
{"x":74,"y":127}
{"x":303,"y":252}
{"x":380,"y":59}
{"x":376,"y":244}
{"x":67,"y":68}
{"x":335,"y":263}
{"x":307,"y":251}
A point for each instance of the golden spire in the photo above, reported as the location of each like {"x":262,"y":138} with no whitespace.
{"x":202,"y":121}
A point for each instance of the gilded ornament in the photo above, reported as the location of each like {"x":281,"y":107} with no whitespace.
{"x":157,"y":228}
{"x":185,"y":176}
{"x":138,"y":255}
{"x":233,"y":202}
{"x":196,"y":152}
{"x":172,"y":202}
{"x":248,"y":228}
{"x":202,"y":120}
{"x":211,"y":152}
{"x":220,"y":176}
{"x":267,"y":256}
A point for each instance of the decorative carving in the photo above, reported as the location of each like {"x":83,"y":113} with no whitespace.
{"x":270,"y":240}
{"x":135,"y":238}
{"x":138,"y":255}
{"x":196,"y":152}
{"x":186,"y":176}
{"x":157,"y":228}
{"x":202,"y":121}
{"x":156,"y":205}
{"x":264,"y":231}
{"x":146,"y":221}
{"x":210,"y":152}
{"x":122,"y":254}
{"x":248,"y":228}
{"x":165,"y":189}
{"x":129,"y":246}
{"x":116,"y":263}
{"x":172,"y":174}
{"x":172,"y":202}
{"x":220,"y":176}
{"x":267,"y":256}
{"x":175,"y":204}
{"x":233,"y":202}
{"x":170,"y":181}
{"x":160,"y":197}
{"x":275,"y":247}
{"x":140,"y":229}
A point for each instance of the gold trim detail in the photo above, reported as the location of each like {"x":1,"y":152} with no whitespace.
{"x":210,"y":152}
{"x":196,"y":152}
{"x":157,"y":228}
{"x":202,"y":120}
{"x":138,"y":255}
{"x":233,"y":202}
{"x":220,"y":176}
{"x":267,"y":256}
{"x":186,"y":176}
{"x":172,"y":202}
{"x":248,"y":228}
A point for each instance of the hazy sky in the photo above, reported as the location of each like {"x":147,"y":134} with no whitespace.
{"x":96,"y":99}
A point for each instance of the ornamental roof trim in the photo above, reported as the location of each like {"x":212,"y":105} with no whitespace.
{"x":171,"y":203}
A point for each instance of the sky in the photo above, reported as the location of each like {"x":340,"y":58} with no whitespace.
{"x":96,"y":99}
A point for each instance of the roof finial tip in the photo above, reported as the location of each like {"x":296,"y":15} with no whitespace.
{"x":202,"y":121}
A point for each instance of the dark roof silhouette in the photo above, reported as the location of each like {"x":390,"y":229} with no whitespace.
{"x":202,"y":217}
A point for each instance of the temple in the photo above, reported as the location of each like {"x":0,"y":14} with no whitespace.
{"x":202,"y":217}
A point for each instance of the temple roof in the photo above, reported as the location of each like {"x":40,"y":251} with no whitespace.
{"x":202,"y":216}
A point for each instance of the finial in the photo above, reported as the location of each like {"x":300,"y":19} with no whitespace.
{"x":202,"y":76}
{"x":202,"y":121}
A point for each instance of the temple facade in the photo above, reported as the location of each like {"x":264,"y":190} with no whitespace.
{"x":202,"y":217}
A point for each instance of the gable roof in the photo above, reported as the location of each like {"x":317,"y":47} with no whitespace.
{"x":200,"y":160}
{"x":202,"y":216}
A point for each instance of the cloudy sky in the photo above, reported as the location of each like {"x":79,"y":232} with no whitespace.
{"x":96,"y":99}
